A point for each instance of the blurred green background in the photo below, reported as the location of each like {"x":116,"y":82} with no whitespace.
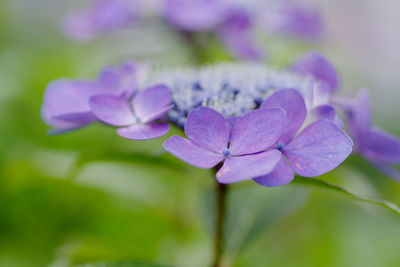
{"x":91,"y":196}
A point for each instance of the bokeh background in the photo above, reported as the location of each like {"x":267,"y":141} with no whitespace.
{"x":90,"y":196}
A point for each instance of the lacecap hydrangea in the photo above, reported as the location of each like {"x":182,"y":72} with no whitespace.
{"x":246,"y":120}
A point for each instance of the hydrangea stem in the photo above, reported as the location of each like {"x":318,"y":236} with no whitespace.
{"x":222,"y":190}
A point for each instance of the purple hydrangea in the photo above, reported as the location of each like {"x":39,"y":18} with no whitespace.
{"x":103,"y":16}
{"x":241,"y":146}
{"x":66,"y":102}
{"x":377,"y":146}
{"x":137,"y":117}
{"x":219,"y":109}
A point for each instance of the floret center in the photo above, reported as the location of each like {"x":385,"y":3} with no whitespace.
{"x":226,"y":152}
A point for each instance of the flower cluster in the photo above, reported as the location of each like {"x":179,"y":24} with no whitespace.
{"x":232,"y":22}
{"x":66,"y":102}
{"x":247,"y":120}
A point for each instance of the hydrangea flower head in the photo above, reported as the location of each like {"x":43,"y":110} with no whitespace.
{"x":224,"y":116}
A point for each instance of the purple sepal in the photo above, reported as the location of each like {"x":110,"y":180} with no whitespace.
{"x":281,"y":175}
{"x":293,"y":104}
{"x":319,"y":148}
{"x":318,"y":66}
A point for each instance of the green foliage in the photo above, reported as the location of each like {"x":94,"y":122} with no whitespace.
{"x":123,"y":264}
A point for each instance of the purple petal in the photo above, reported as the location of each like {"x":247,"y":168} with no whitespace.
{"x":63,"y":97}
{"x":120,"y":80}
{"x":237,"y":36}
{"x":326,"y":112}
{"x":68,"y":122}
{"x":191,"y":153}
{"x":144,"y":131}
{"x":79,"y":118}
{"x":257,"y":131}
{"x":382,"y":147}
{"x":315,"y":64}
{"x":281,"y":175}
{"x":319,"y":148}
{"x":112,"y":110}
{"x":160,"y":114}
{"x":197,"y":15}
{"x":232,"y":121}
{"x":293,"y":104}
{"x":360,"y":117}
{"x":241,"y":168}
{"x":208,"y":129}
{"x":151,"y":102}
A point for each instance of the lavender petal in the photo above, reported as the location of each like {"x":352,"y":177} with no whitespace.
{"x":192,"y":154}
{"x":317,"y":65}
{"x":241,"y":168}
{"x":112,"y":110}
{"x":257,"y":130}
{"x":281,"y":175}
{"x":319,"y":148}
{"x":293,"y":104}
{"x":149,"y":103}
{"x":144,"y":131}
{"x":208,"y":129}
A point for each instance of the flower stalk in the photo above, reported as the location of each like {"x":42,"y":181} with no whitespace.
{"x":221,"y":191}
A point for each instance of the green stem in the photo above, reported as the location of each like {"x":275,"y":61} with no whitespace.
{"x":222,"y":190}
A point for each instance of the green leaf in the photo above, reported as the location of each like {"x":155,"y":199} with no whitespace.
{"x":124,"y":264}
{"x":338,"y":189}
